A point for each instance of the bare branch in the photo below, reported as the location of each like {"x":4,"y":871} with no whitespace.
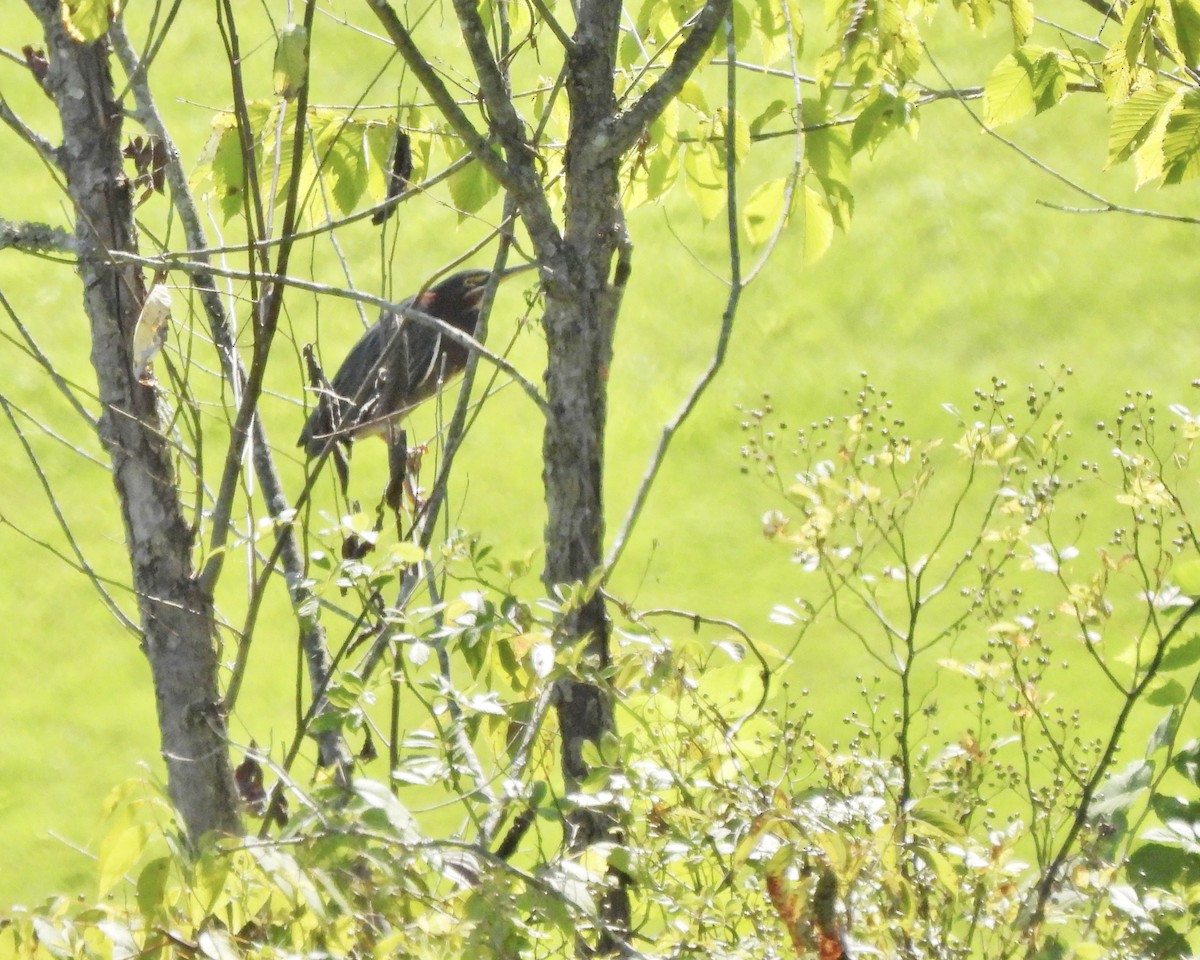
{"x":718,"y":359}
{"x":83,"y":564}
{"x":628,"y":127}
{"x":312,"y":637}
{"x":518,"y":175}
{"x":35,"y":237}
{"x":46,"y":150}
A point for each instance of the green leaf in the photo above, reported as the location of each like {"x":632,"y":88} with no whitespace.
{"x":1161,"y":865}
{"x":121,"y":848}
{"x":215,"y":944}
{"x":818,"y":225}
{"x":1028,"y":79}
{"x":1169,"y":694}
{"x":1164,"y":731}
{"x":1048,"y":80}
{"x":770,"y":25}
{"x":934,"y":819}
{"x":375,"y":795}
{"x":828,"y":152}
{"x":1181,"y":141}
{"x":88,"y":20}
{"x":152,"y":886}
{"x":1186,"y":576}
{"x":343,"y":163}
{"x":741,"y":137}
{"x":764,"y":210}
{"x":1007,"y":93}
{"x":1131,"y":126}
{"x":1187,"y":761}
{"x":706,"y":179}
{"x":471,"y":188}
{"x":884,"y":113}
{"x":1135,"y":31}
{"x":1186,"y":14}
{"x":773,"y":110}
{"x":693,"y":95}
{"x":1022,"y":20}
{"x":1182,"y":654}
{"x":742,"y":31}
{"x":1122,"y":790}
{"x":291,"y":60}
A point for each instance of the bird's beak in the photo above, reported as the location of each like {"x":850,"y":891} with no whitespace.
{"x":476,"y":294}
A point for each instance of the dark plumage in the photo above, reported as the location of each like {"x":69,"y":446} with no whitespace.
{"x":398,"y":363}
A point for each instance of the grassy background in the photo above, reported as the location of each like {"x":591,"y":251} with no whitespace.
{"x":950,"y":274}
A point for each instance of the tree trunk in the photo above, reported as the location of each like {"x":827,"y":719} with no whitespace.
{"x":176,"y":615}
{"x":579,"y":320}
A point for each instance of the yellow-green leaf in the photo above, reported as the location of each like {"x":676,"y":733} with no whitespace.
{"x":705,"y":180}
{"x":1008,"y":92}
{"x":1181,"y":141}
{"x":764,"y":210}
{"x":1186,"y":14}
{"x":471,"y":188}
{"x":1133,"y":121}
{"x":693,"y":96}
{"x":1022,"y":20}
{"x":818,"y":225}
{"x":291,"y":60}
{"x":119,"y":851}
{"x":88,"y":20}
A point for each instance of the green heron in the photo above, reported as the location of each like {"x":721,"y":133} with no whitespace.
{"x":398,"y":363}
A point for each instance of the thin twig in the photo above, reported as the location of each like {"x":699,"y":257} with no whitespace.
{"x":718,"y":359}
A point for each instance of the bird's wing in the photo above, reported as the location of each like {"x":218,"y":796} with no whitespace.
{"x":416,"y":362}
{"x":391,"y":369}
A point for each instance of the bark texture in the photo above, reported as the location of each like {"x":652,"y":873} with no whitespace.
{"x":579,"y":322}
{"x":176,"y":615}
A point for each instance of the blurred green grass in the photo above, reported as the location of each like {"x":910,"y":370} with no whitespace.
{"x":951,"y":274}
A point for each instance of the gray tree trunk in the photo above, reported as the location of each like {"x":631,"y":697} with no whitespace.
{"x":176,"y":615}
{"x":579,"y":321}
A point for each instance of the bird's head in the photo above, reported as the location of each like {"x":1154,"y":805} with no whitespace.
{"x":457,"y":298}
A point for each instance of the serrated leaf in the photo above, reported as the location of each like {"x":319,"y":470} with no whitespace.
{"x":1022,"y":20}
{"x":343,"y":166}
{"x":1048,"y":80}
{"x":1007,"y":93}
{"x":883,"y":114}
{"x":291,"y":60}
{"x":763,"y":211}
{"x":1135,"y":30}
{"x":1133,"y":121}
{"x":1181,"y":141}
{"x":88,"y":20}
{"x":818,"y":225}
